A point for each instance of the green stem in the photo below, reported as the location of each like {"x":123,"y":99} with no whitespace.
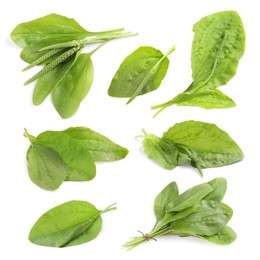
{"x":27,"y":135}
{"x":109,"y":208}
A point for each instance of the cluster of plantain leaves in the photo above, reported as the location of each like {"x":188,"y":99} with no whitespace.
{"x":197,"y":212}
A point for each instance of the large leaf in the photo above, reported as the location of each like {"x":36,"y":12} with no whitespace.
{"x":63,"y":224}
{"x":141,"y":72}
{"x":219,"y":186}
{"x":213,"y":146}
{"x":45,"y":167}
{"x":48,"y":30}
{"x":79,"y":163}
{"x":74,"y":86}
{"x":218,"y":45}
{"x":168,"y":195}
{"x":100,"y":147}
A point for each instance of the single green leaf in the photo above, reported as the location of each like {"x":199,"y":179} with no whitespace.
{"x":62,"y":224}
{"x":190,"y":197}
{"x":219,"y":186}
{"x":74,"y":86}
{"x":224,"y":237}
{"x":48,"y":30}
{"x":45,"y":167}
{"x":49,"y":81}
{"x":100,"y":147}
{"x":218,"y":45}
{"x":205,"y":222}
{"x":162,"y":150}
{"x":79,"y":163}
{"x":141,"y":72}
{"x":168,"y":195}
{"x":213,"y":146}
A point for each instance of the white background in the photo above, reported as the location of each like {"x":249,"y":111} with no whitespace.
{"x":135,"y":181}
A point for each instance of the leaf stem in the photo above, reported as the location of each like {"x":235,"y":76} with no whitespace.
{"x":109,"y":208}
{"x":27,"y":135}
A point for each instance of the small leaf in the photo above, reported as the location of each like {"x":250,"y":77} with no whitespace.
{"x":141,"y":72}
{"x":224,"y":237}
{"x":190,"y":197}
{"x":168,"y":195}
{"x":74,"y":86}
{"x":163,"y":151}
{"x":45,"y":167}
{"x":100,"y":147}
{"x":219,"y":186}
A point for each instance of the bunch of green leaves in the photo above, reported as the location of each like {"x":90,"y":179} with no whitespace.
{"x":218,"y":45}
{"x":141,"y":72}
{"x":56,"y":42}
{"x":69,"y":224}
{"x":203,"y":144}
{"x":69,"y":155}
{"x":197,"y":212}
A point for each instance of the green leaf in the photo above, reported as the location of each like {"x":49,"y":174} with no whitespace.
{"x":79,"y":163}
{"x":190,"y":197}
{"x":51,"y":80}
{"x":48,"y":30}
{"x":224,"y":237}
{"x":163,"y":151}
{"x":100,"y":147}
{"x":204,"y":222}
{"x":62,"y":224}
{"x":219,"y":186}
{"x":168,"y":195}
{"x":213,"y":146}
{"x":141,"y":72}
{"x":74,"y":86}
{"x":45,"y":167}
{"x":218,"y":45}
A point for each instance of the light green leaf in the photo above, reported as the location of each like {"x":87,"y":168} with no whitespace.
{"x":45,"y":167}
{"x":100,"y":147}
{"x":190,"y":197}
{"x":141,"y":72}
{"x":79,"y":163}
{"x":218,"y":45}
{"x":47,"y":82}
{"x":48,"y":30}
{"x":74,"y":86}
{"x":62,"y":224}
{"x":213,"y":146}
{"x":162,"y":150}
{"x":168,"y":195}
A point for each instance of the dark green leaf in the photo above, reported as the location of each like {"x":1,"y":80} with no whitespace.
{"x":79,"y":163}
{"x":141,"y":72}
{"x":74,"y":86}
{"x":45,"y":167}
{"x":100,"y":147}
{"x":168,"y":195}
{"x":224,"y":237}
